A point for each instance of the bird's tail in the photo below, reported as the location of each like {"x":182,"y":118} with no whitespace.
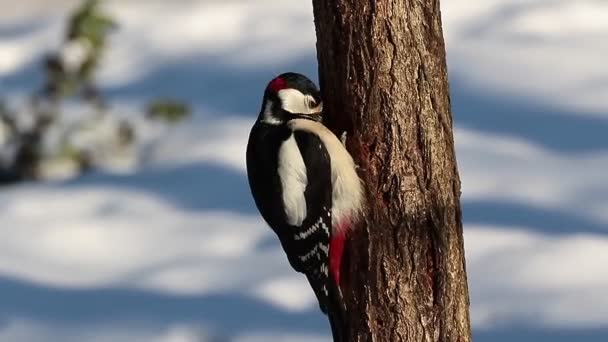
{"x":336,"y":312}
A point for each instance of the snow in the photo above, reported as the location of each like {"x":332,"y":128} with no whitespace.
{"x":176,"y":251}
{"x":518,"y":273}
{"x":509,"y":169}
{"x":539,"y":50}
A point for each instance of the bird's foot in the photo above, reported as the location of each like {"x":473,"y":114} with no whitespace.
{"x":343,"y":138}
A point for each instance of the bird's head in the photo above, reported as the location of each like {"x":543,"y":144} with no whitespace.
{"x":291,"y":94}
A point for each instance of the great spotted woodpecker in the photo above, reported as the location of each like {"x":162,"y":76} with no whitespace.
{"x":305,"y":185}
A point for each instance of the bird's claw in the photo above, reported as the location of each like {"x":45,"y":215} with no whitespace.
{"x":343,"y":138}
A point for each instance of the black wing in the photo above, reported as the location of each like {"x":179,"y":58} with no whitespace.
{"x":306,"y":245}
{"x":309,"y":242}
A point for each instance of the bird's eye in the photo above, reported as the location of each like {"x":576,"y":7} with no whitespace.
{"x":310,"y":102}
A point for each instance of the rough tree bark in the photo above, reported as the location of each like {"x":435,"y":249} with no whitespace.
{"x":383,"y":75}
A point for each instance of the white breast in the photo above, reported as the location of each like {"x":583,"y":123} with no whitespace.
{"x":347,"y":194}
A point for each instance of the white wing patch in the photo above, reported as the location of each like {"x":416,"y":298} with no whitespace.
{"x":292,"y":173}
{"x":305,"y":234}
{"x":310,"y":254}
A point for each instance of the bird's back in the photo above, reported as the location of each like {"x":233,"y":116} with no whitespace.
{"x":262,"y":163}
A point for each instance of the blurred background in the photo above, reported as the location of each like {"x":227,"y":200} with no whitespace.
{"x":125,"y":211}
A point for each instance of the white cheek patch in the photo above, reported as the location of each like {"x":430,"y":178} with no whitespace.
{"x":292,"y":173}
{"x":294,"y":101}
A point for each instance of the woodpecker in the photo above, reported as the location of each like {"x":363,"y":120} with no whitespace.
{"x":305,"y":185}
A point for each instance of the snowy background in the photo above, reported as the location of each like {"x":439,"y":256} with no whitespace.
{"x":175,"y":252}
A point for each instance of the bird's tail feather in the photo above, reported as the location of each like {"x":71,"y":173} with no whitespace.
{"x":337,"y":315}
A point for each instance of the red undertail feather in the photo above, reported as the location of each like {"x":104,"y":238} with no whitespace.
{"x":336,"y":250}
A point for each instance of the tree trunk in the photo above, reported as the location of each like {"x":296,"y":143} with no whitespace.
{"x":383,"y":76}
